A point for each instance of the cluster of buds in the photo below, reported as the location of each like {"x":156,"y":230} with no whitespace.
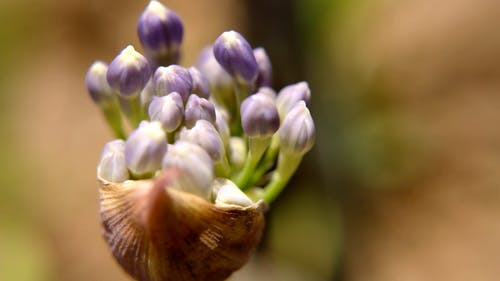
{"x":233,"y":139}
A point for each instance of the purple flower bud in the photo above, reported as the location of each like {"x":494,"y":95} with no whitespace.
{"x":129,"y":72}
{"x":297,"y":133}
{"x":145,"y":148}
{"x":259,"y":116}
{"x":201,"y":86}
{"x":290,"y":95}
{"x":205,"y":135}
{"x":235,"y":55}
{"x":168,"y":110}
{"x":160,"y":31}
{"x":96,"y":82}
{"x":173,"y":78}
{"x":112,"y":166}
{"x":196,"y":166}
{"x":212,"y":70}
{"x":198,"y":109}
{"x":265,"y":76}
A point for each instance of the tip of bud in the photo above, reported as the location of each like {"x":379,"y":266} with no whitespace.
{"x":292,"y":94}
{"x":173,"y":78}
{"x":129,"y":72}
{"x":196,"y":166}
{"x":96,"y":82}
{"x":112,"y":166}
{"x":160,"y":31}
{"x":168,"y":110}
{"x":198,"y":109}
{"x":205,"y":135}
{"x":297,"y":134}
{"x":259,"y":116}
{"x":145,"y":148}
{"x":235,"y":55}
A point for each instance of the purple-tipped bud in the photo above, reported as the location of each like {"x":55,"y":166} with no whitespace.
{"x":227,"y":193}
{"x":160,"y":31}
{"x":168,"y":110}
{"x":112,"y":166}
{"x":212,"y":70}
{"x":145,"y":148}
{"x":297,"y":133}
{"x":196,"y":166}
{"x":265,"y":76}
{"x":129,"y":72}
{"x":173,"y":78}
{"x":205,"y":135}
{"x":201,"y":86}
{"x":235,"y":55}
{"x":259,"y":116}
{"x":292,"y":94}
{"x":198,"y":109}
{"x":96,"y":82}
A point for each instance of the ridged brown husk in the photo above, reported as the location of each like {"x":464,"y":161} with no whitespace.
{"x":158,"y":233}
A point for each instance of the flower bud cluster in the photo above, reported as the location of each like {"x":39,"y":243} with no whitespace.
{"x":220,"y":123}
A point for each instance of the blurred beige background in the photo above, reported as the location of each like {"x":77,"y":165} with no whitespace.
{"x":403,"y":183}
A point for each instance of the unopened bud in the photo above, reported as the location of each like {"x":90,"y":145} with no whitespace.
{"x":145,"y":148}
{"x":197,"y":169}
{"x":297,"y":133}
{"x":201,"y":86}
{"x":160,"y":31}
{"x":227,"y":193}
{"x":173,"y":78}
{"x":198,"y":109}
{"x":259,"y":116}
{"x":96,"y":82}
{"x":292,"y":94}
{"x":265,"y":75}
{"x":235,"y":55}
{"x":205,"y":135}
{"x":168,"y":110}
{"x":112,"y":166}
{"x":129,"y":72}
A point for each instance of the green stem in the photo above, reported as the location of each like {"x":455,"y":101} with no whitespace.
{"x":112,"y":114}
{"x":287,"y":165}
{"x":256,"y":148}
{"x":241,"y":90}
{"x":268,"y":160}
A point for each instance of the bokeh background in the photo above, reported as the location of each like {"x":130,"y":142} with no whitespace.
{"x":403,"y":183}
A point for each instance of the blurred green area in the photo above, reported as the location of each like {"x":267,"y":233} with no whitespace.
{"x":403,"y":181}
